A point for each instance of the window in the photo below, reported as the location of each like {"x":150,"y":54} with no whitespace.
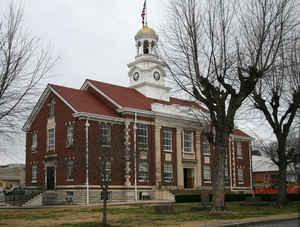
{"x":51,"y":139}
{"x":205,"y":146}
{"x":105,"y":170}
{"x":206,"y":174}
{"x":146,"y":47}
{"x":142,"y":136}
{"x":69,"y":196}
{"x":240,"y":176}
{"x":187,"y":141}
{"x":168,"y":172}
{"x":70,"y":135}
{"x":70,"y":170}
{"x":34,"y":141}
{"x":167,"y":140}
{"x":109,"y":195}
{"x":105,"y":134}
{"x":143,"y":171}
{"x":34,"y":173}
{"x":239,"y":150}
{"x":51,"y":108}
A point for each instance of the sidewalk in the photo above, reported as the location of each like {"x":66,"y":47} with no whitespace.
{"x":276,"y":219}
{"x":5,"y":206}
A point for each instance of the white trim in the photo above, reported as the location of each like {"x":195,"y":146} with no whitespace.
{"x":40,"y":103}
{"x":36,"y":109}
{"x":97,"y":117}
{"x":59,"y":96}
{"x":110,"y":187}
{"x":88,"y":83}
{"x":153,"y":114}
{"x":241,"y":137}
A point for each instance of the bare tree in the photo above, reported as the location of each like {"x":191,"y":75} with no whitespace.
{"x":216,"y":51}
{"x":106,"y":162}
{"x":23,"y":63}
{"x":277,"y":96}
{"x":292,"y":155}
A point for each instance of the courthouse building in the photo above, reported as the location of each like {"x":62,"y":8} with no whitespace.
{"x":171,"y":150}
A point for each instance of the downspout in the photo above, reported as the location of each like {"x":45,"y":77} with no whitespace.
{"x":230,"y":167}
{"x":135,"y":171}
{"x":251,"y":175}
{"x":87,"y":159}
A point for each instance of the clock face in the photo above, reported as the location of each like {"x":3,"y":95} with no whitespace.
{"x":156,"y":75}
{"x":136,"y":76}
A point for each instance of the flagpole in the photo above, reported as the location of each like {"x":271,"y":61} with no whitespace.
{"x":146,"y":14}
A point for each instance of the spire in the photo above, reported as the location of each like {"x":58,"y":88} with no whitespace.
{"x":144,"y":13}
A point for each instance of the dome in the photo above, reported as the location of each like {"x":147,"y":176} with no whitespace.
{"x":146,"y":30}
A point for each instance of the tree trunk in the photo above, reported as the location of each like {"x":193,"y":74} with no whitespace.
{"x":282,"y":200}
{"x":104,"y":219}
{"x":221,"y":141}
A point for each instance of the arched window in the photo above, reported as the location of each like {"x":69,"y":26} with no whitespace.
{"x":146,"y":47}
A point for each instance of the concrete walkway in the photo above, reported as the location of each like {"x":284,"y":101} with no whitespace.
{"x":117,"y":203}
{"x":261,"y":221}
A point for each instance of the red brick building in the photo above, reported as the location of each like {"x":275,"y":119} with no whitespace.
{"x":171,"y":151}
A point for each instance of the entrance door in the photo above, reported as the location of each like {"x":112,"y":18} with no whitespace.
{"x":50,"y":178}
{"x":188,"y":178}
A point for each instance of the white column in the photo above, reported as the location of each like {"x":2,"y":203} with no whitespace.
{"x":87,"y":159}
{"x":198,"y":158}
{"x":157,"y":155}
{"x":180,"y":182}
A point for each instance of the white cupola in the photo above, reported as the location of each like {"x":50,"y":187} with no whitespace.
{"x":147,"y":72}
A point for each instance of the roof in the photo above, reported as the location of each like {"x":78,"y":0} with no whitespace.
{"x":238,"y":132}
{"x":129,"y":97}
{"x":146,"y":29}
{"x":263,"y":164}
{"x":83,"y":101}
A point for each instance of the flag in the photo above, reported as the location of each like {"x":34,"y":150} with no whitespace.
{"x":143,"y":13}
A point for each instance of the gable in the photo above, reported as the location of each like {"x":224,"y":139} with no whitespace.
{"x":41,"y":103}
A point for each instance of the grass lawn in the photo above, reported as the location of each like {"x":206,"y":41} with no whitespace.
{"x":134,"y":216}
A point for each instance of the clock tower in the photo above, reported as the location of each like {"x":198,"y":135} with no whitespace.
{"x":147,"y":72}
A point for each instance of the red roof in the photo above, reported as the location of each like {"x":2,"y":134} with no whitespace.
{"x":129,"y":97}
{"x":83,"y":101}
{"x":239,"y":132}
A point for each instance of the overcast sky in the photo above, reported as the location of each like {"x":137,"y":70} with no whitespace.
{"x":93,"y":39}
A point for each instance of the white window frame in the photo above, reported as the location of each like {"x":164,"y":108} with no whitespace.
{"x":105,"y":134}
{"x":168,"y":172}
{"x":70,"y":170}
{"x":51,"y":139}
{"x":34,"y":173}
{"x":143,"y":171}
{"x":167,"y":135}
{"x":70,"y":135}
{"x":205,"y":146}
{"x":206,"y":174}
{"x":188,"y":146}
{"x":142,"y":136}
{"x":239,"y":150}
{"x":240,"y":174}
{"x":34,"y":144}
